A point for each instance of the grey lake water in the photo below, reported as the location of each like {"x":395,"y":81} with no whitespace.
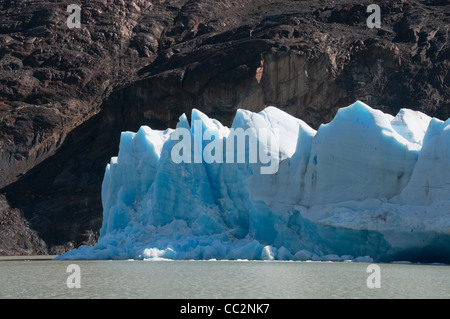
{"x":164,"y":279}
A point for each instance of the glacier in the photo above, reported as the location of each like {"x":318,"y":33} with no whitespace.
{"x":367,"y":186}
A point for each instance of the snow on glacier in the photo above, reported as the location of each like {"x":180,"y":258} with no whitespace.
{"x":366,"y":186}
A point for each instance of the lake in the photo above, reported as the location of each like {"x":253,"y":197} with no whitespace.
{"x":39,"y":277}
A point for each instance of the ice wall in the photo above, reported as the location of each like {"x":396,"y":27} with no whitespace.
{"x":366,"y":186}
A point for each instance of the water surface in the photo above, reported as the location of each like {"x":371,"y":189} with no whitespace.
{"x":44,"y":278}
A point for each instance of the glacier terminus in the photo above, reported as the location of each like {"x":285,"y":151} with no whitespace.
{"x":368,"y":186}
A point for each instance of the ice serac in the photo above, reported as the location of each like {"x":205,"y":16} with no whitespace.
{"x":360,"y":155}
{"x":366,"y":186}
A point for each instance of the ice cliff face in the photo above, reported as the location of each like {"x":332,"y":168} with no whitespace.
{"x":366,"y":186}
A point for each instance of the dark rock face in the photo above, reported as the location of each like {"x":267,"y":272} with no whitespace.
{"x":16,"y":236}
{"x":66,"y":94}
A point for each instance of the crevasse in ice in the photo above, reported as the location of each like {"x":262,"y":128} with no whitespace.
{"x":366,"y":186}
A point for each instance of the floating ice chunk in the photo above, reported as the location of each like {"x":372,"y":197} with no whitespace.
{"x":284,"y":254}
{"x":347,"y":257}
{"x":152,"y":253}
{"x":251,"y":251}
{"x":332,"y":257}
{"x":363,"y":259}
{"x":157,"y":254}
{"x":303,"y":255}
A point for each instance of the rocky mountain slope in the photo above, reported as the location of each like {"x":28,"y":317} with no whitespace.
{"x":66,"y":94}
